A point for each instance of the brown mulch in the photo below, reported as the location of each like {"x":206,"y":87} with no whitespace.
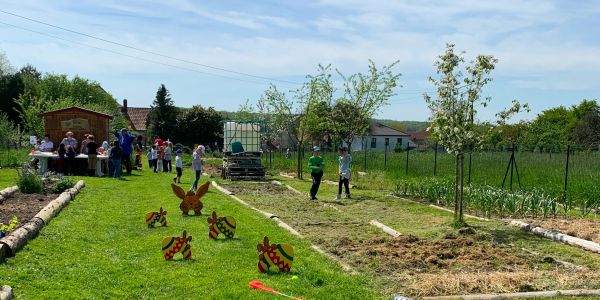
{"x":455,"y":253}
{"x":24,"y":206}
{"x":581,"y":228}
{"x":457,"y":264}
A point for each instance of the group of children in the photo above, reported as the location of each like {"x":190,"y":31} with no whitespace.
{"x":316,"y":166}
{"x":160,"y":156}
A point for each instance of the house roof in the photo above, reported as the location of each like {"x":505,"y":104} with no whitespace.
{"x":380,"y":129}
{"x":419,"y":135}
{"x":137,"y":116}
{"x":76,"y":108}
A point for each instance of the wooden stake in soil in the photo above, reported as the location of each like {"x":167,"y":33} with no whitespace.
{"x":385,"y":228}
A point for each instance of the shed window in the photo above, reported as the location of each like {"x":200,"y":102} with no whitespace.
{"x":373,"y":142}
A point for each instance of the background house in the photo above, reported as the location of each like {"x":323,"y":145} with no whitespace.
{"x":136,"y":116}
{"x":378,"y":136}
{"x":420,"y":138}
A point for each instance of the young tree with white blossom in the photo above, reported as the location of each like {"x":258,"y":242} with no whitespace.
{"x":454,"y":109}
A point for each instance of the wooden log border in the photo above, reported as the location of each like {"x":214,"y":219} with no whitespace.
{"x":287,"y":186}
{"x":523,"y":295}
{"x":7,"y":192}
{"x":451,"y":211}
{"x":17,"y":239}
{"x":557,"y":236}
{"x":285,"y":226}
{"x":6,"y":293}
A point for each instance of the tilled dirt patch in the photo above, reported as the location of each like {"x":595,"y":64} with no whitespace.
{"x":581,"y":228}
{"x":24,"y":206}
{"x":408,"y":252}
{"x":257,"y":188}
{"x":212,"y":170}
{"x":454,"y":264}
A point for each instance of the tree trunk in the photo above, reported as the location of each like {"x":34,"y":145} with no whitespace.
{"x":461,"y":158}
{"x":456,"y":183}
{"x":299,"y":169}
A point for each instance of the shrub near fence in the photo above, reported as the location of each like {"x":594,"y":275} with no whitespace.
{"x":538,"y":172}
{"x":13,"y":152}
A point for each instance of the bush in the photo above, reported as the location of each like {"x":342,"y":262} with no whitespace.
{"x":61,"y":185}
{"x":4,"y":229}
{"x":29,"y":182}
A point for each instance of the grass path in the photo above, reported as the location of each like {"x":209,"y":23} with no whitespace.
{"x":100,"y":247}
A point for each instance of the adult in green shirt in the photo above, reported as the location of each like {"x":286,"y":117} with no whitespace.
{"x":315,"y":164}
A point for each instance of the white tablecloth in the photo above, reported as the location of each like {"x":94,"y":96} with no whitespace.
{"x":44,"y":156}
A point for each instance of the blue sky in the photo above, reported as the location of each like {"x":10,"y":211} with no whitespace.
{"x":548,"y":51}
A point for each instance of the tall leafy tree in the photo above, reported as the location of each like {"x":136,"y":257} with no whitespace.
{"x":454,"y":109}
{"x":297,"y":116}
{"x":198,"y":125}
{"x":586,"y":131}
{"x":364,"y":96}
{"x":162,"y":119}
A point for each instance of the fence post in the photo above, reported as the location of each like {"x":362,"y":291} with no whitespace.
{"x":567,"y":173}
{"x":385,"y":156}
{"x":407,"y":151}
{"x":435,"y":159}
{"x":365,"y":155}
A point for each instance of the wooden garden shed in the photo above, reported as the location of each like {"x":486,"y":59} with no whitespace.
{"x":78,"y":120}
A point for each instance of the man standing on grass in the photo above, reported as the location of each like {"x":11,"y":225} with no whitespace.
{"x":125,"y":141}
{"x":315,"y":164}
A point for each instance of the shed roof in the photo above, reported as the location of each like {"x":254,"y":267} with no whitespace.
{"x":76,"y":108}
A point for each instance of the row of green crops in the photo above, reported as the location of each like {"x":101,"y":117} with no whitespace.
{"x":542,"y":173}
{"x":493,"y":201}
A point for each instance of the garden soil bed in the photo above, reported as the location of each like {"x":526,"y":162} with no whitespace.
{"x":212,"y":170}
{"x":24,"y":206}
{"x":456,"y":265}
{"x":257,"y":188}
{"x":581,"y":228}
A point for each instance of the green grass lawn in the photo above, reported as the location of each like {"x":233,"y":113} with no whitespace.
{"x":8,"y":177}
{"x":100,"y":247}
